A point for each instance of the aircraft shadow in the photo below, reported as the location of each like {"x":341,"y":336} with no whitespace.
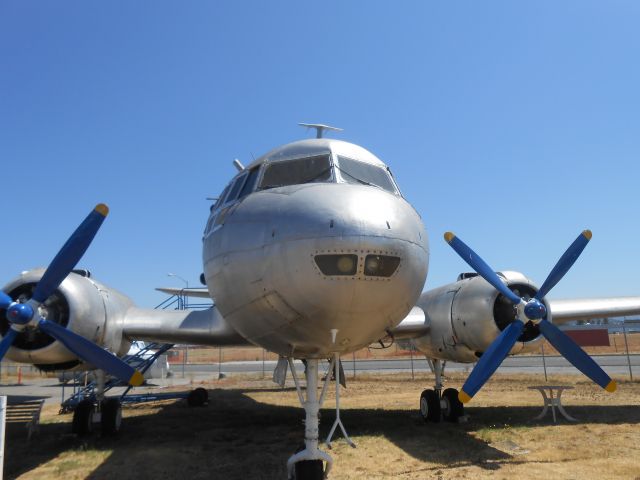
{"x":236,"y":437}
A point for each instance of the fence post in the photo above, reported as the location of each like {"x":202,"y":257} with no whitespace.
{"x":626,"y":348}
{"x":263,"y":367}
{"x":219,"y":363}
{"x":3,"y":419}
{"x":354,"y":365}
{"x":411,"y":352}
{"x":544,"y":363}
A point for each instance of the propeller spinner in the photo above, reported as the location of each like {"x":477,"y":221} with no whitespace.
{"x":20,"y":314}
{"x":527,"y":310}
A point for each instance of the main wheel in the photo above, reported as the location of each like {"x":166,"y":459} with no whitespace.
{"x":83,"y":418}
{"x":111,"y":416}
{"x":309,"y":470}
{"x":454,"y":408}
{"x":197,"y":397}
{"x":430,"y":406}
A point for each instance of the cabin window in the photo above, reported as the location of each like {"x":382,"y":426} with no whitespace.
{"x":296,"y":172}
{"x":362,"y":173}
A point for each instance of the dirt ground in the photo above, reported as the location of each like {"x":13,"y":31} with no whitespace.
{"x":250,"y":427}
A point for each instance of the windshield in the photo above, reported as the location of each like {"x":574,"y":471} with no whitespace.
{"x":298,"y":171}
{"x":362,"y":173}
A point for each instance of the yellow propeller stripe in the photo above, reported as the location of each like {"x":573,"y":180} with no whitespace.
{"x":102,"y":209}
{"x":136,"y":379}
{"x":463,"y":396}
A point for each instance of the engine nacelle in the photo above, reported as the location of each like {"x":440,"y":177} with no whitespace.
{"x":80,"y":304}
{"x":465,"y":317}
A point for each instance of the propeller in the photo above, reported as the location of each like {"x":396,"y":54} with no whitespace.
{"x":20,"y":314}
{"x":527,"y":311}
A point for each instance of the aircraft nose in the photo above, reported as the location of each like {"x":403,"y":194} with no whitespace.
{"x":352,"y":259}
{"x":349,"y":211}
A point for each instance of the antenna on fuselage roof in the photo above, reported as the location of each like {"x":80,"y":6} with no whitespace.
{"x":319,"y":128}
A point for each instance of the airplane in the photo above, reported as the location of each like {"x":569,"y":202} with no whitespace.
{"x":311,"y":252}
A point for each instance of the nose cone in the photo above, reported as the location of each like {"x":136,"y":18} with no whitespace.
{"x":363,"y":223}
{"x":340,"y":210}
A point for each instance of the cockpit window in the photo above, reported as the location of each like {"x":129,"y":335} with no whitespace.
{"x":235,"y":190}
{"x":250,"y":183}
{"x":362,"y":173}
{"x":220,"y":200}
{"x":298,"y":171}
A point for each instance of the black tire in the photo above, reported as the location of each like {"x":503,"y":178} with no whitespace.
{"x":83,"y":418}
{"x":430,"y":406}
{"x":111,"y":416}
{"x":309,"y":470}
{"x":197,"y":397}
{"x":454,"y":408}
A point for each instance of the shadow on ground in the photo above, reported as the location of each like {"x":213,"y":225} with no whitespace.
{"x":235,"y":437}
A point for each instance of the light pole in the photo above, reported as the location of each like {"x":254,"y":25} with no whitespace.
{"x":178,"y":276}
{"x":186,"y":287}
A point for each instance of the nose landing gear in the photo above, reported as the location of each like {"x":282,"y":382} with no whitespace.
{"x":307,"y":464}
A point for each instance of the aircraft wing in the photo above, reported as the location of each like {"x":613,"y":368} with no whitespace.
{"x":186,"y":292}
{"x":415,"y":324}
{"x":569,"y":310}
{"x":198,"y":327}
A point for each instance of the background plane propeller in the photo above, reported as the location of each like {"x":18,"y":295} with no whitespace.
{"x":527,"y":310}
{"x":22,"y":314}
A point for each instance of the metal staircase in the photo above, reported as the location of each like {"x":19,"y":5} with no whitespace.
{"x":141,"y":361}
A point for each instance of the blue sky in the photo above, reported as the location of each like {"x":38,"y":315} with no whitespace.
{"x":514,"y":124}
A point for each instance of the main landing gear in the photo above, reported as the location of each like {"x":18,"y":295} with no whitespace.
{"x":437,"y":404}
{"x":105,"y":411}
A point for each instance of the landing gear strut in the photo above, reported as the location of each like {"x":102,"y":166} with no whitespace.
{"x":308,"y":463}
{"x":436,"y":404}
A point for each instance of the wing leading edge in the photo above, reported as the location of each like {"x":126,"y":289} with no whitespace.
{"x":569,"y":310}
{"x":186,"y":292}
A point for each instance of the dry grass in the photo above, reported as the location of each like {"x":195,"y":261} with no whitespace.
{"x":250,"y":428}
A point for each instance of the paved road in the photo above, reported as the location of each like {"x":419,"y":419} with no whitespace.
{"x":612,"y":364}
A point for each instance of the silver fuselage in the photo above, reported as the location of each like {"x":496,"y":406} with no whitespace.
{"x":259,"y":263}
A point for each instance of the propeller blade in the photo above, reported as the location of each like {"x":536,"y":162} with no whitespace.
{"x":491,"y":360}
{"x":5,"y":300}
{"x":70,"y":253}
{"x":92,"y":353}
{"x":564,"y":264}
{"x":578,"y":357}
{"x":479,"y":265}
{"x":7,"y":341}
